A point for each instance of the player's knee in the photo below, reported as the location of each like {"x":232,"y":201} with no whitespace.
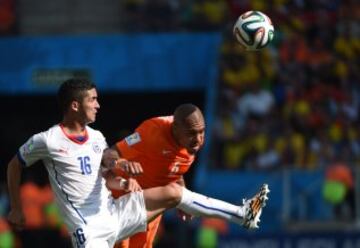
{"x":174,"y":193}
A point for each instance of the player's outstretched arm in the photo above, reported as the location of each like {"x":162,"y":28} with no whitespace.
{"x":119,"y":183}
{"x":16,"y":216}
{"x":112,"y":160}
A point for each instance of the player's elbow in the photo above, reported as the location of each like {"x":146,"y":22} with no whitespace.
{"x":14,"y":165}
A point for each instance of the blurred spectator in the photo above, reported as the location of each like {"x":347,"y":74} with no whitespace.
{"x":41,"y":217}
{"x":209,"y":14}
{"x":269,"y":158}
{"x":256,"y":103}
{"x":33,"y":201}
{"x":339,"y":190}
{"x":209,"y":231}
{"x":7,"y":238}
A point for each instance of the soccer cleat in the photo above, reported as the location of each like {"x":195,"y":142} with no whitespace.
{"x":254,"y":206}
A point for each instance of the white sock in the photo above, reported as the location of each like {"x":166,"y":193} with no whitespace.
{"x":200,"y":205}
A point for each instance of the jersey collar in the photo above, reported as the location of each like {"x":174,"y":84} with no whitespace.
{"x":78,"y":139}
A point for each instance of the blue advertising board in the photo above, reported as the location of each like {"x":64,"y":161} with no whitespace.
{"x":135,"y":62}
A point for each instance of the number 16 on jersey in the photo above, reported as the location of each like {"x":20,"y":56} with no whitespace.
{"x":85,"y":165}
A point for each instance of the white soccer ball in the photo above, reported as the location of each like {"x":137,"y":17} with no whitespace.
{"x":254,"y":30}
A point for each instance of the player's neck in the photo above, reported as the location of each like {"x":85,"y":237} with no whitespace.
{"x":73,"y":127}
{"x":174,"y":136}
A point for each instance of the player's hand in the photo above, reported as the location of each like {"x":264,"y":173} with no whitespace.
{"x":132,"y":168}
{"x":110,"y":158}
{"x":184,"y":216}
{"x":16,"y":219}
{"x":130,"y":185}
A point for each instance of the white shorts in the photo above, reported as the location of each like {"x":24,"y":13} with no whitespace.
{"x":132,"y":216}
{"x":124,"y":217}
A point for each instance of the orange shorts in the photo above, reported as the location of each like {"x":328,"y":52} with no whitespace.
{"x":143,"y":239}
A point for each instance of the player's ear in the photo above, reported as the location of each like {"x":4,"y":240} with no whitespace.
{"x":75,"y":105}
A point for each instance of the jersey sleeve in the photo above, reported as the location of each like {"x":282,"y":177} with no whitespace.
{"x":136,"y":143}
{"x":33,"y":150}
{"x":104,"y":143}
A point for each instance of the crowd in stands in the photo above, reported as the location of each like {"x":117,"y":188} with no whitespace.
{"x":295,"y":103}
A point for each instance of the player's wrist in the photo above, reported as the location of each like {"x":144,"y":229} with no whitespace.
{"x":123,"y":183}
{"x":123,"y":164}
{"x":114,"y":164}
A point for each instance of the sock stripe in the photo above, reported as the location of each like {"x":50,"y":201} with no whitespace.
{"x":217,"y":209}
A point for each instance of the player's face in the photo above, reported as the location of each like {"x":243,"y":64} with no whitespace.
{"x":89,"y":106}
{"x":191,"y":135}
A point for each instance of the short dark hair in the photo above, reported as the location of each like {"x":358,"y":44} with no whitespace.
{"x":183,"y":111}
{"x":73,"y":90}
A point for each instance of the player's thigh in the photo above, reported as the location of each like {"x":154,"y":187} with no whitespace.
{"x":132,"y":215}
{"x":159,"y":199}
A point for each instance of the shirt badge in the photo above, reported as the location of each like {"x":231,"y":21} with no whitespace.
{"x":96,"y":148}
{"x":133,"y":139}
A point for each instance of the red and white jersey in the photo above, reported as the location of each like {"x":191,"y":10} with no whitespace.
{"x":74,"y":171}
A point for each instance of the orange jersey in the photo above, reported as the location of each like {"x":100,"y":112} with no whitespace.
{"x":154,"y":147}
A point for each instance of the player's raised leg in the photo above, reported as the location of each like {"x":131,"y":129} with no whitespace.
{"x":247,"y":215}
{"x":159,"y":199}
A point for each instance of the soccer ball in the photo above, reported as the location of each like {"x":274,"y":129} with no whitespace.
{"x":254,"y":30}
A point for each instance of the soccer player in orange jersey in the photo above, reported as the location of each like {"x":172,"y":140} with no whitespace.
{"x":165,"y":148}
{"x":159,"y":152}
